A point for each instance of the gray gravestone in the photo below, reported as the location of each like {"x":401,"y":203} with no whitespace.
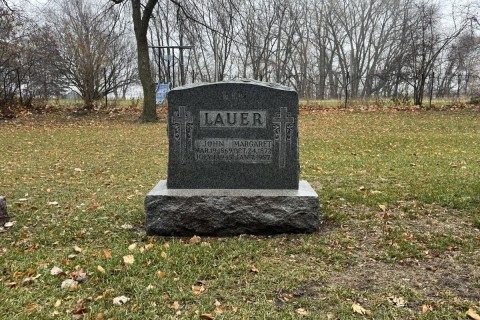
{"x":3,"y":211}
{"x":233,"y":163}
{"x":233,"y":135}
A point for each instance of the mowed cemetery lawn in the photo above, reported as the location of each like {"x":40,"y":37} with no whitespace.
{"x":400,"y":235}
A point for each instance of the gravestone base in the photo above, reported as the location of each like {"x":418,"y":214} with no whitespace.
{"x":228,"y":212}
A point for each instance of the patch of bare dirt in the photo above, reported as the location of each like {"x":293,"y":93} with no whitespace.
{"x":455,"y":271}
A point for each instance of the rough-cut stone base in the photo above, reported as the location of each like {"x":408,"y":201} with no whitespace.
{"x":225,"y":212}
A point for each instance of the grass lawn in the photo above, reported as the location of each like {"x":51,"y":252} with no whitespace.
{"x":400,"y":236}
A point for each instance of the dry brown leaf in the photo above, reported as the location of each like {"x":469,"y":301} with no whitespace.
{"x":360,"y":310}
{"x":32,"y":307}
{"x":107,"y":253}
{"x":132,"y":247}
{"x":383,"y":207}
{"x":397,"y":301}
{"x":175,"y":305}
{"x":149,"y":246}
{"x":198,"y":289}
{"x":253,"y":269}
{"x":77,"y":249}
{"x":163,"y":255}
{"x":69,"y":284}
{"x":302,"y":311}
{"x":100,"y":269}
{"x":161,"y":274}
{"x":55,"y":271}
{"x":207,"y":316}
{"x":120,"y":300}
{"x":220,"y":309}
{"x":425,"y":308}
{"x":128,"y":259}
{"x":472,"y":313}
{"x":79,"y":275}
{"x":195,"y":239}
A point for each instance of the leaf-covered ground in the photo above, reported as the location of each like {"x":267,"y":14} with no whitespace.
{"x":400,"y":235}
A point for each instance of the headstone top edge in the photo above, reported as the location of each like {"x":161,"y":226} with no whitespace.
{"x":272,"y":85}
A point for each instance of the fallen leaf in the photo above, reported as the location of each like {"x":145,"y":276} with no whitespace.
{"x":32,"y":307}
{"x":100,"y":269}
{"x":149,"y":246}
{"x":163,"y":254}
{"x":161,"y":274}
{"x":120,"y":300}
{"x":195,"y":239}
{"x":360,"y":310}
{"x":52,"y":203}
{"x":79,"y":275}
{"x":107,"y":254}
{"x":198,"y":289}
{"x":128,"y":259}
{"x":220,"y":309}
{"x":132,"y":247}
{"x":397,"y":301}
{"x":472,"y":313}
{"x":426,"y":308}
{"x":58,"y":303}
{"x":77,"y":249}
{"x":9,"y":224}
{"x":302,"y":311}
{"x":253,"y":269}
{"x":207,"y":316}
{"x":383,"y":207}
{"x":55,"y":271}
{"x":126,"y":226}
{"x":175,"y":305}
{"x":69,"y":284}
{"x":11,"y":284}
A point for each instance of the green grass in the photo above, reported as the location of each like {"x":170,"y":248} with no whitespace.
{"x":401,"y":197}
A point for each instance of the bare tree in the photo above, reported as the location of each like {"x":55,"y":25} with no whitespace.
{"x":93,"y":48}
{"x":141,"y":15}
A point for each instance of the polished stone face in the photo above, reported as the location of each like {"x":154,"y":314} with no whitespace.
{"x":233,"y":135}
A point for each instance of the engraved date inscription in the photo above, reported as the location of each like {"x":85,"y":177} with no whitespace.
{"x":234,"y":150}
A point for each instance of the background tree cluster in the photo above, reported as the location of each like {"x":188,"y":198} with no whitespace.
{"x":325,"y":49}
{"x":25,"y":53}
{"x":78,"y":46}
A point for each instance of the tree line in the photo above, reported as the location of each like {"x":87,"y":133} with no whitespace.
{"x":324,"y":49}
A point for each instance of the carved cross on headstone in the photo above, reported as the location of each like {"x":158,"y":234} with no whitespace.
{"x":182,"y":122}
{"x":283,"y":122}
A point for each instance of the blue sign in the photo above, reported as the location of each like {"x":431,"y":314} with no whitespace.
{"x":162,"y":90}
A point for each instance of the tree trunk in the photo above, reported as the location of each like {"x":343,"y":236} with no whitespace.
{"x":140,"y":25}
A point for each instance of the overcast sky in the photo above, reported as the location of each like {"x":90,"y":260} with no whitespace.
{"x":35,"y":7}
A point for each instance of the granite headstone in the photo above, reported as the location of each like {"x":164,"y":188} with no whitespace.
{"x":233,"y":135}
{"x":233,"y":163}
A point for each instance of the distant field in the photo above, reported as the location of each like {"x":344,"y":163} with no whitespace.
{"x":400,"y":237}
